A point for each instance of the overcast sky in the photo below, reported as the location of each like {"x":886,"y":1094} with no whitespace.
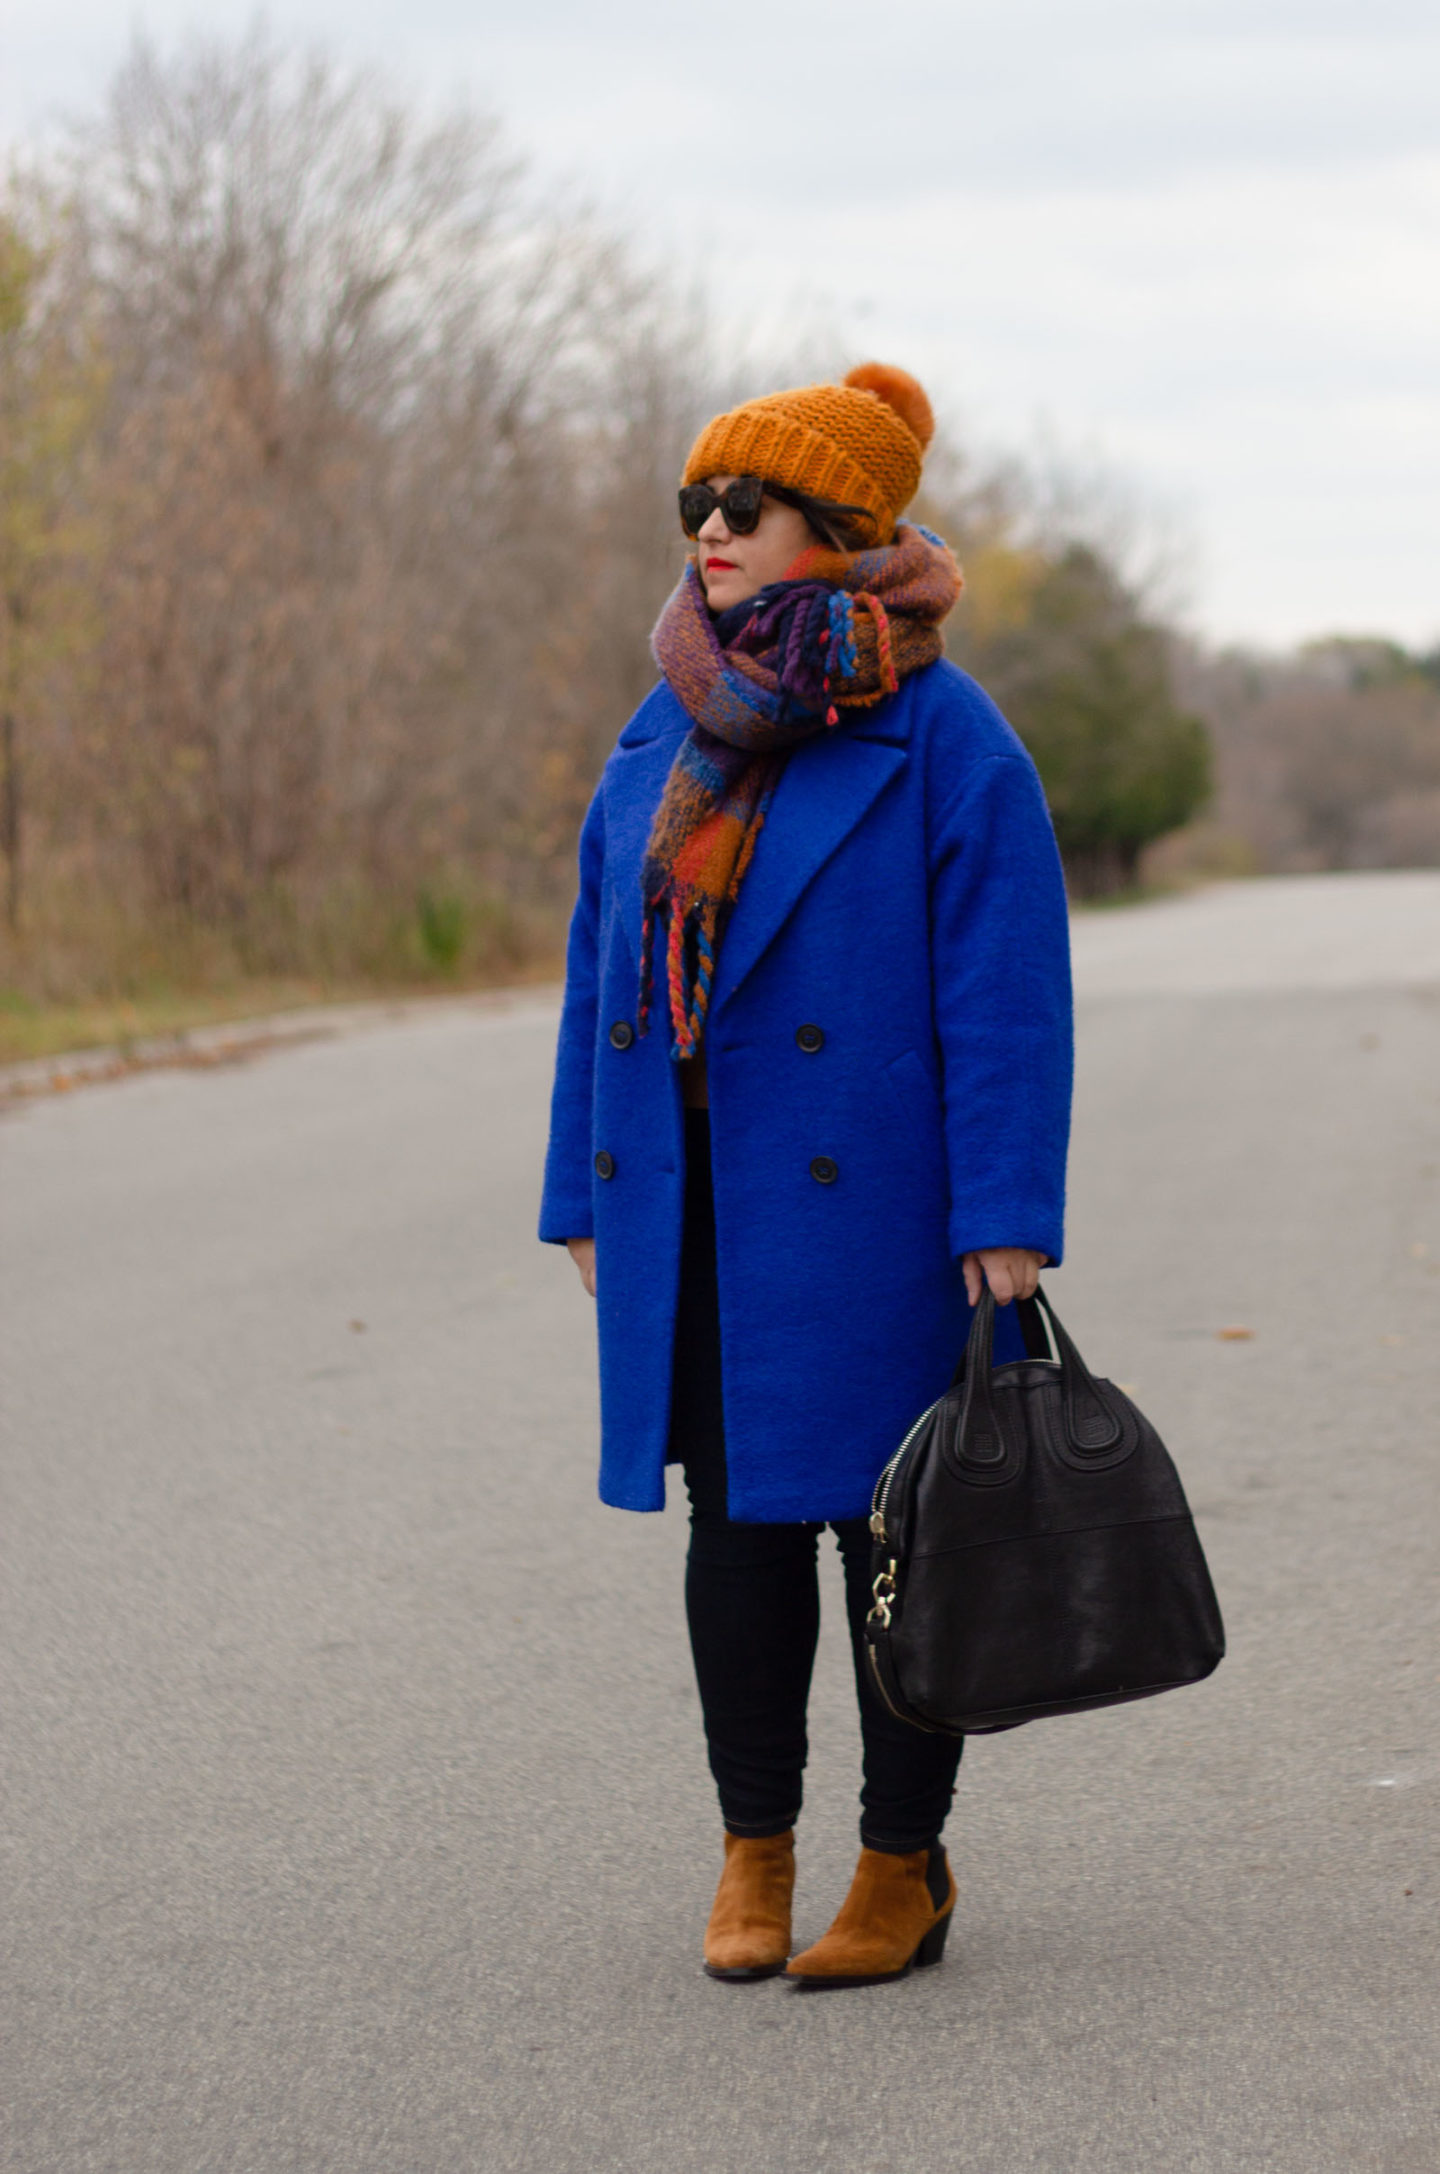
{"x":1197,"y":239}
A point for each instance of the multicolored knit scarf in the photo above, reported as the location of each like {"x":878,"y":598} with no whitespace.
{"x":839,"y":633}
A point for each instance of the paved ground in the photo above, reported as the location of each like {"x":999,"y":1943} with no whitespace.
{"x":355,"y":1811}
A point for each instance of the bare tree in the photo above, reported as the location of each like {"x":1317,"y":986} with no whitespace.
{"x":358,"y":436}
{"x":49,"y":389}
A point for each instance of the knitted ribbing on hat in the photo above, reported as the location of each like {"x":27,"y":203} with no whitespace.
{"x":860,"y":443}
{"x":838,"y":634}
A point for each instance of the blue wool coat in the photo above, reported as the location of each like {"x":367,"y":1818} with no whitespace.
{"x":905,"y":897}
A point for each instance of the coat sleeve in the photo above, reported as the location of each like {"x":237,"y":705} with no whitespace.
{"x":567,"y":1208}
{"x":1001,"y":938}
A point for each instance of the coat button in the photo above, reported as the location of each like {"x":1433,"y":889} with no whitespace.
{"x":604,"y":1165}
{"x":824,"y":1171}
{"x":810,"y":1039}
{"x":622,"y":1034}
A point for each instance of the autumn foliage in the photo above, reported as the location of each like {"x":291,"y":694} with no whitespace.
{"x":336,"y":503}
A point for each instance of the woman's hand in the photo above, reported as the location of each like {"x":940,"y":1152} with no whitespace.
{"x":1010,"y":1271}
{"x":582,"y":1253}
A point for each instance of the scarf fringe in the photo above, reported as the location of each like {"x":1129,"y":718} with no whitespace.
{"x":884,"y":650}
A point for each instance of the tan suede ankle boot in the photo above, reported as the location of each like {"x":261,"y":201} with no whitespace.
{"x":889,"y":1922}
{"x":748,"y":1935}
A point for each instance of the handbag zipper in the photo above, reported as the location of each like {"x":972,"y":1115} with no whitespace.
{"x":878,"y":1502}
{"x":880,"y":1683}
{"x":882,"y":1485}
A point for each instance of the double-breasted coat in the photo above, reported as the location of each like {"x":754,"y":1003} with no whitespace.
{"x":889,"y":1061}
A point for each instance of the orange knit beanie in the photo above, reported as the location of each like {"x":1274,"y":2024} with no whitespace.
{"x":860,"y":443}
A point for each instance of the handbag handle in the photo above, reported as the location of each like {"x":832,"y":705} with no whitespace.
{"x":1089,"y":1422}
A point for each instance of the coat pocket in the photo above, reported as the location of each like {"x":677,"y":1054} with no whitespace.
{"x":914,"y":1092}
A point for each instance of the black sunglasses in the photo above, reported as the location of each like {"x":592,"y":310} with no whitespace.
{"x":740,"y":502}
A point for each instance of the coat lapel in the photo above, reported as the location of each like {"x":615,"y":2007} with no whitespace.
{"x":828,"y":784}
{"x":634,"y":780}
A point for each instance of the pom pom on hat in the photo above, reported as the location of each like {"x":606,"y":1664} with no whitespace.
{"x":900,"y":391}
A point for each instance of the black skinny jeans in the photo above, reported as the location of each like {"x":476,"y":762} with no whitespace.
{"x":753,"y":1601}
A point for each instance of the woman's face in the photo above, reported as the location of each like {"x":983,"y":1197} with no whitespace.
{"x":735,"y":567}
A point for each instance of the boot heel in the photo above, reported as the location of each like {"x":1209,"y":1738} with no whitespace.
{"x":932,"y":1947}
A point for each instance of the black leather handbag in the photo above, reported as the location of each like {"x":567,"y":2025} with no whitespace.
{"x":1033,"y":1549}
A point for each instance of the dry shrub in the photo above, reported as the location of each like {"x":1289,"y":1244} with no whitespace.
{"x":1329,"y":759}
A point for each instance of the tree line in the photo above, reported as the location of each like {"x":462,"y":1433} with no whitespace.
{"x":337,"y":468}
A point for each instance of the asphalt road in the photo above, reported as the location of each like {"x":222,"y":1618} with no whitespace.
{"x":355,"y":1813}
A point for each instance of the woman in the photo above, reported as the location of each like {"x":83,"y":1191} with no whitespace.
{"x":812,"y":1087}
